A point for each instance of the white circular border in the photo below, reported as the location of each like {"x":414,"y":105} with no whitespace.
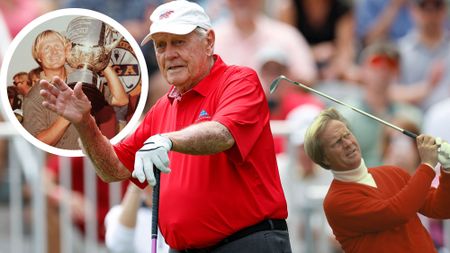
{"x":72,"y":12}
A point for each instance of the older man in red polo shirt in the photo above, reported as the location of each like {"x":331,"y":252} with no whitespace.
{"x":223,"y":192}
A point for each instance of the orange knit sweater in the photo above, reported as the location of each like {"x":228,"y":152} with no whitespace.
{"x":384,"y":219}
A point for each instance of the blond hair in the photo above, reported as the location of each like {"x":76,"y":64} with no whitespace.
{"x":42,"y":37}
{"x":313,"y":145}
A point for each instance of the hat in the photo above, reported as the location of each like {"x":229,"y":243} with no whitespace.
{"x":177,"y":17}
{"x":299,"y":119}
{"x":272,"y":53}
{"x":381,"y":48}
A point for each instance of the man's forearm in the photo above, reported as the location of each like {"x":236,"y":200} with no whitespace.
{"x":202,"y":139}
{"x":383,"y":23}
{"x":97,"y":147}
{"x":130,"y":206}
{"x":55,"y":132}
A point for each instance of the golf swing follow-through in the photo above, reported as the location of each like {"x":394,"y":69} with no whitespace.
{"x":444,"y":147}
{"x":277,"y":81}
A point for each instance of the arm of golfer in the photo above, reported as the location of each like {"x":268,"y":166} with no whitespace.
{"x":202,"y":139}
{"x":106,"y":163}
{"x":75,"y":107}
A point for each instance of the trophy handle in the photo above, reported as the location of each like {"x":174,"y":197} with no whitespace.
{"x":110,"y":33}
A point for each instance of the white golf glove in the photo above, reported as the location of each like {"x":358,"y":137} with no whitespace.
{"x":154,"y":152}
{"x":443,"y":153}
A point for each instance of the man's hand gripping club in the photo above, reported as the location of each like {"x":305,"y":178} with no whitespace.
{"x":154,"y":152}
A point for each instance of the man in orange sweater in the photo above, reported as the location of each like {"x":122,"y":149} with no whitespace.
{"x":375,"y":210}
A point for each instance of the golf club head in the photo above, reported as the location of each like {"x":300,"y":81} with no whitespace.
{"x":275,"y":83}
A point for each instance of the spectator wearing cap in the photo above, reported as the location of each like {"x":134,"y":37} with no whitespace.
{"x":273,"y":61}
{"x":222,"y":192}
{"x":379,"y":70}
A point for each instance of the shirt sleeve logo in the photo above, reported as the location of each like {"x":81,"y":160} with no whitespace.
{"x":203,"y":116}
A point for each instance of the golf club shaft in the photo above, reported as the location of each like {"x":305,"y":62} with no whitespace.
{"x":277,"y":80}
{"x":155,"y":209}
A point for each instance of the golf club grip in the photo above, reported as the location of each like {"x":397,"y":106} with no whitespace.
{"x":155,"y":209}
{"x":409,"y":133}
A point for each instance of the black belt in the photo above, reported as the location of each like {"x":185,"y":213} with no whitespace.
{"x":262,"y":226}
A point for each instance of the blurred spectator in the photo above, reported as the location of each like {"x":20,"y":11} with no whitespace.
{"x":425,"y":55}
{"x":18,"y":13}
{"x":23,"y":86}
{"x":247,"y":30}
{"x":215,"y":9}
{"x":273,"y":62}
{"x":14,"y":99}
{"x":4,"y":182}
{"x":437,"y":120}
{"x":305,"y":184}
{"x":379,"y":70}
{"x":328,"y":27}
{"x":75,"y":198}
{"x":382,"y":20}
{"x":34,"y":75}
{"x":128,"y":225}
{"x":6,"y":37}
{"x":398,"y":149}
{"x":16,"y":102}
{"x":22,"y":83}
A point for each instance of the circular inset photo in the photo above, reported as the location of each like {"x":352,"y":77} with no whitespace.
{"x":77,"y":45}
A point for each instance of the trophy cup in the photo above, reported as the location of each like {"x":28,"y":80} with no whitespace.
{"x":92,"y":42}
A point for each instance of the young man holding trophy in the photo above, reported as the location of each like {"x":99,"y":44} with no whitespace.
{"x":86,"y":52}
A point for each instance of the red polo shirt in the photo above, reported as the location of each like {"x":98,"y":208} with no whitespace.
{"x":206,"y":198}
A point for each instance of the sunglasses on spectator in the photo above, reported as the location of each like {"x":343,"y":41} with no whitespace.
{"x":431,"y":5}
{"x":383,"y":60}
{"x":16,"y":83}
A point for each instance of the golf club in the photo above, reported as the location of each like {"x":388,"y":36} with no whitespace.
{"x":277,"y":81}
{"x":155,"y":209}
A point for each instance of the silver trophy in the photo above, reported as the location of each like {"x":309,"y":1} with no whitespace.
{"x":92,"y":42}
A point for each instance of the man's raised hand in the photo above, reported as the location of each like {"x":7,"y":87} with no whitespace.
{"x":61,"y":99}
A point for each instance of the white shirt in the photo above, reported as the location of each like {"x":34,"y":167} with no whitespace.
{"x":359,"y":175}
{"x":121,"y":239}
